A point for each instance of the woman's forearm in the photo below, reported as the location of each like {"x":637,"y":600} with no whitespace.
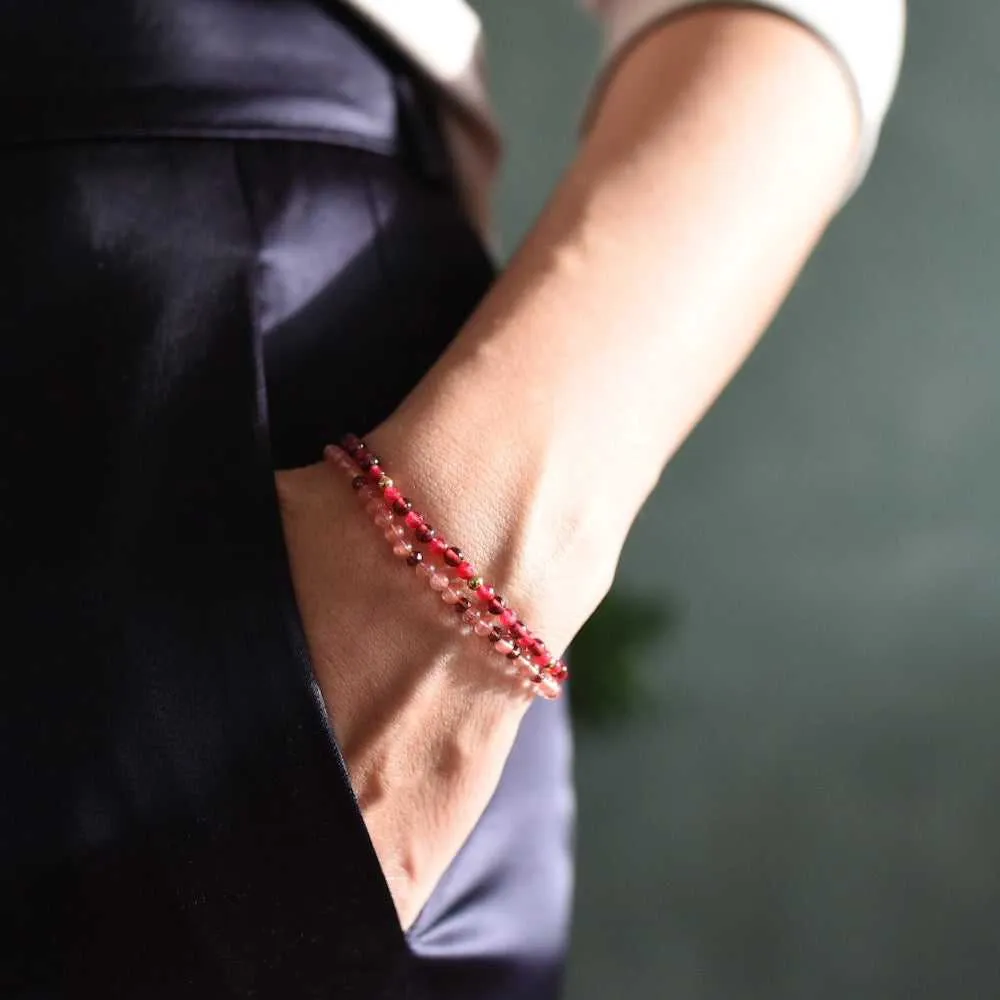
{"x":721,"y":146}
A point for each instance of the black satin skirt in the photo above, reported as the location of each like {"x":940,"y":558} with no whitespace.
{"x":229,"y":234}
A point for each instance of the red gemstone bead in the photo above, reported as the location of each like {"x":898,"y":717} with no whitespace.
{"x":495,"y":605}
{"x":425,"y":533}
{"x":391,"y":494}
{"x":375,"y":473}
{"x":535,"y":646}
{"x":521,"y":630}
{"x":453,"y":557}
{"x":508,"y":617}
{"x":484,"y":593}
{"x":466,"y":570}
{"x":438,"y":546}
{"x":413,"y":520}
{"x":558,"y":671}
{"x":542,"y":659}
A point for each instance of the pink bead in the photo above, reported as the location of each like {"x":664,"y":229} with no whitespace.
{"x":425,"y":569}
{"x":449,"y":596}
{"x":466,"y":570}
{"x":503,"y":646}
{"x":520,"y":630}
{"x":470,"y":616}
{"x":485,"y":593}
{"x":374,"y":506}
{"x":390,"y":534}
{"x":402,"y":549}
{"x":482,"y":628}
{"x":383,"y":520}
{"x":438,"y":546}
{"x":439,"y":581}
{"x":413,"y":520}
{"x":374,"y":473}
{"x":547,"y":690}
{"x":527,"y":668}
{"x":542,"y":659}
{"x":508,"y":617}
{"x":391,"y":493}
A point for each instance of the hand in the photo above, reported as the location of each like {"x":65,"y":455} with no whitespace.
{"x":424,"y":715}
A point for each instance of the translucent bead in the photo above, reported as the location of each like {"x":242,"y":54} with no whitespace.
{"x":399,"y":531}
{"x":439,"y":581}
{"x":426,"y":569}
{"x":482,"y":628}
{"x":449,"y":596}
{"x":470,"y":616}
{"x":402,"y":549}
{"x":547,"y":690}
{"x":527,"y":668}
{"x":390,"y":534}
{"x":503,"y":646}
{"x":382,"y":519}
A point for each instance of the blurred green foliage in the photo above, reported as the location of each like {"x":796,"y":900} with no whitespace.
{"x":608,"y":687}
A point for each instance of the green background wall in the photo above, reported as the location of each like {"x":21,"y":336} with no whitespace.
{"x":812,"y":809}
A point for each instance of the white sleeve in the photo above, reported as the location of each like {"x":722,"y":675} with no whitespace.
{"x":866,"y":35}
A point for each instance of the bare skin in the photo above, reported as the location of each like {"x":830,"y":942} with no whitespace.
{"x":720,"y":148}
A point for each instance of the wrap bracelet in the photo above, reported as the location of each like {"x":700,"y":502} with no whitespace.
{"x":481,"y":610}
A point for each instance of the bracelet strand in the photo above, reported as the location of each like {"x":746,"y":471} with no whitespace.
{"x":481,"y":609}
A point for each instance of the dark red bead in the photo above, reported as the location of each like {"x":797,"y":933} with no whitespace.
{"x":415,"y":558}
{"x":402,"y":505}
{"x":453,"y":556}
{"x":496,"y":634}
{"x":496,"y":605}
{"x":514,"y":653}
{"x":358,"y":481}
{"x":351,"y":443}
{"x":520,"y":630}
{"x":463,"y":604}
{"x":535,"y":646}
{"x":367,"y":460}
{"x":425,"y":533}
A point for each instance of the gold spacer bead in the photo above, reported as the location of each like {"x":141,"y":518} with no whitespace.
{"x":475,"y":583}
{"x":383,"y":482}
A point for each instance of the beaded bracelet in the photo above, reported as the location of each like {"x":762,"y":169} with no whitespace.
{"x":414,"y":540}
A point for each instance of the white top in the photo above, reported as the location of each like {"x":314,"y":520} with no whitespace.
{"x":444,"y":38}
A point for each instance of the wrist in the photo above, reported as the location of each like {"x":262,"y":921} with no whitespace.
{"x":514,"y":503}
